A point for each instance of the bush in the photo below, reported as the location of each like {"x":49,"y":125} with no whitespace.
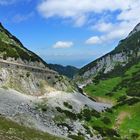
{"x":106,"y":131}
{"x":99,"y":129}
{"x":122,"y":98}
{"x":130,"y":101}
{"x":87,"y":114}
{"x":109,"y":110}
{"x":41,"y":106}
{"x":135,"y":136}
{"x":111,"y":133}
{"x":66,"y":104}
{"x":75,"y":137}
{"x":106,"y":120}
{"x":88,"y":130}
{"x":67,"y":113}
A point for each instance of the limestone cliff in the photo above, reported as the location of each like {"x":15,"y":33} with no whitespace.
{"x":127,"y":51}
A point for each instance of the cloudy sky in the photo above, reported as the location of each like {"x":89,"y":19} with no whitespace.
{"x":70,"y":32}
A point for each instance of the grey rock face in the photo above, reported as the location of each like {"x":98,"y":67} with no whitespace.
{"x":30,"y":81}
{"x":126,"y":52}
{"x":106,"y":64}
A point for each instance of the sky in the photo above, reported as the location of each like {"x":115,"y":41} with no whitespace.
{"x":70,"y":32}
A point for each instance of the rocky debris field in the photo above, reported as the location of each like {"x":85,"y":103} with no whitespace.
{"x":55,"y":112}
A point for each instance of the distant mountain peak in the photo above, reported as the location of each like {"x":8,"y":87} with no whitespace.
{"x":136,"y":29}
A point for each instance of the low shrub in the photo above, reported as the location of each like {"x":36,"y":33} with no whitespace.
{"x":87,"y":114}
{"x":135,"y":136}
{"x":106,"y":132}
{"x":106,"y":120}
{"x":41,"y":106}
{"x":122,"y":98}
{"x":69,"y":114}
{"x":75,"y":137}
{"x":66,"y":104}
{"x":109,"y":110}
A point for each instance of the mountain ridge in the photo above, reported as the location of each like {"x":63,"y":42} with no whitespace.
{"x":68,"y":70}
{"x":125,"y":52}
{"x":21,"y":52}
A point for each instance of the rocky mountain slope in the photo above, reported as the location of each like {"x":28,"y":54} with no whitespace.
{"x":126,"y":52}
{"x":24,"y":71}
{"x":115,"y":78}
{"x":68,"y":71}
{"x":58,"y":113}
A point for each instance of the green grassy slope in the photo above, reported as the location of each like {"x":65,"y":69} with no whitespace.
{"x":123,"y":90}
{"x":10,"y":46}
{"x":115,"y":85}
{"x":13,"y":131}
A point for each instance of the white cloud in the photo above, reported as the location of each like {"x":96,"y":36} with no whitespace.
{"x":81,"y":12}
{"x":94,"y":40}
{"x":70,"y":8}
{"x":131,"y":14}
{"x":102,"y":27}
{"x":115,"y":31}
{"x":80,"y":21}
{"x":63,"y":44}
{"x":74,"y":8}
{"x":19,"y":18}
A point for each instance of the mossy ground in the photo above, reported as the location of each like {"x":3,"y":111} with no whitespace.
{"x":9,"y":129}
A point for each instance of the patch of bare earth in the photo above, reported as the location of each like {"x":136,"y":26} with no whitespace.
{"x":121,"y":117}
{"x":104,"y":100}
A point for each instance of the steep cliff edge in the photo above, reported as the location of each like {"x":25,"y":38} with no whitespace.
{"x":126,"y":52}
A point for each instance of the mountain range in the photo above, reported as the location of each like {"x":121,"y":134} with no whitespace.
{"x":40,"y":101}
